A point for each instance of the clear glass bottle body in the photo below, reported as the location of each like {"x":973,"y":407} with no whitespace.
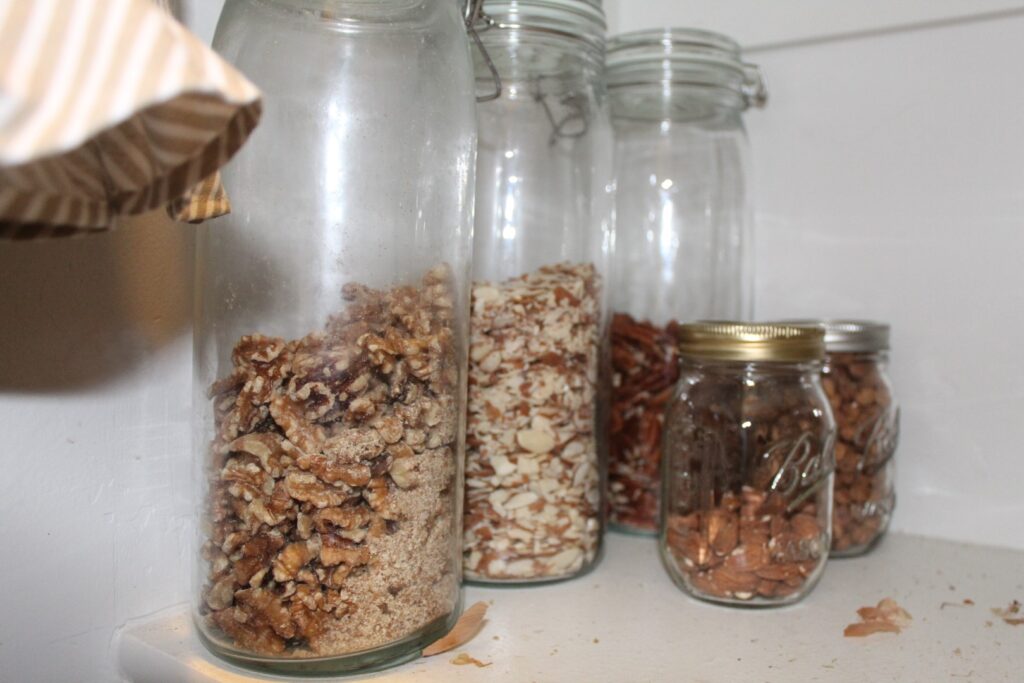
{"x":683,"y":247}
{"x":331,"y":339}
{"x":747,"y":481}
{"x":533,"y":468}
{"x":867,"y":418}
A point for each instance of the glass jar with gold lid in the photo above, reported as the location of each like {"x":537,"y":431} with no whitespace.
{"x":748,"y":462}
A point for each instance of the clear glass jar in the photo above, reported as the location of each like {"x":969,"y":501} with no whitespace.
{"x":331,"y":338}
{"x":856,"y":380}
{"x":683,"y":247}
{"x":533,"y":484}
{"x":748,"y":461}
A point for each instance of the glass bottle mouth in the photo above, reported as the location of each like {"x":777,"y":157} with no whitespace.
{"x":683,"y":57}
{"x":582,"y":20}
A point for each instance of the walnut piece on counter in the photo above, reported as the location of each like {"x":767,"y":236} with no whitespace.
{"x":532,"y":472}
{"x":332,"y":478}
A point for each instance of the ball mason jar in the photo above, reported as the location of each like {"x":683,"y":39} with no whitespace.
{"x":683,"y":247}
{"x":747,"y":466}
{"x":855,"y":376}
{"x":534,"y":441}
{"x":331,"y":339}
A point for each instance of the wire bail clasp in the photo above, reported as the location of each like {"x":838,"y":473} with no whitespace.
{"x":475,"y":13}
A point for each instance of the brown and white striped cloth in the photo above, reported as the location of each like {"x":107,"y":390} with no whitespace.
{"x":110,"y":108}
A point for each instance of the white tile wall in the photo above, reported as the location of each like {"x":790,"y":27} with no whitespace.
{"x":890,"y":185}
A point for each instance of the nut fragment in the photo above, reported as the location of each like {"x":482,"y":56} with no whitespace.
{"x":468,"y":625}
{"x":886,"y":617}
{"x":532,"y":476}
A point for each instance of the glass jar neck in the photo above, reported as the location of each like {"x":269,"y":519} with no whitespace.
{"x":760,"y":368}
{"x":356,"y":13}
{"x":678,"y":103}
{"x":524,"y":55}
{"x":880,"y":357}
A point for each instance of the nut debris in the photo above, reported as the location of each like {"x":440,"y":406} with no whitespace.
{"x":645,"y":368}
{"x":462,"y":659}
{"x":886,"y":617}
{"x":330,"y":505}
{"x":1009,"y":613}
{"x":532,"y":474}
{"x":465,"y":629}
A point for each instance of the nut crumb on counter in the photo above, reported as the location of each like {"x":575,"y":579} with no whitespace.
{"x":886,"y":617}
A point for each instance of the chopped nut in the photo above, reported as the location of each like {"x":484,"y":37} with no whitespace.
{"x":403,"y":472}
{"x":290,"y":561}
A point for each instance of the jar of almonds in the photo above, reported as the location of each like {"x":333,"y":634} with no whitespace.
{"x":747,"y":466}
{"x":855,"y":378}
{"x":535,"y":439}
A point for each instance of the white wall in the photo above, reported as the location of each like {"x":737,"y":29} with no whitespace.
{"x":890,"y":185}
{"x":95,"y":389}
{"x":756,"y":24}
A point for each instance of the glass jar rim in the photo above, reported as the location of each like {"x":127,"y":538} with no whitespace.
{"x":683,"y":57}
{"x":582,"y":20}
{"x":849,"y":336}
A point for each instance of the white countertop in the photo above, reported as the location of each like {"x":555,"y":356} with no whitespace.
{"x":625,"y":622}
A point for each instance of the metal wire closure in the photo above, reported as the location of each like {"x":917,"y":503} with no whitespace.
{"x":475,"y":13}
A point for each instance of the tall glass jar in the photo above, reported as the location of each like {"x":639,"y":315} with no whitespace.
{"x":748,"y":461}
{"x":533,"y":484}
{"x":331,"y":338}
{"x":683,"y":231}
{"x":856,"y":380}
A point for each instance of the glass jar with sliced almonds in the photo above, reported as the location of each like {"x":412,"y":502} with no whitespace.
{"x":534,"y":440}
{"x":748,"y":464}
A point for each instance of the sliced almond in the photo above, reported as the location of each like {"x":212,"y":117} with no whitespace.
{"x":535,"y":440}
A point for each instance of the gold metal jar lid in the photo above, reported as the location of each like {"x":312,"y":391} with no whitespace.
{"x":735,"y":341}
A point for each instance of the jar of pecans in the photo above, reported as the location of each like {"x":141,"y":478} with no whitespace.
{"x":856,"y":380}
{"x":683,"y":222}
{"x":747,"y":466}
{"x":533,"y":437}
{"x":331,"y":339}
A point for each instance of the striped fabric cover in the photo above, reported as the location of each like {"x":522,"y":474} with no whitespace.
{"x":110,"y":107}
